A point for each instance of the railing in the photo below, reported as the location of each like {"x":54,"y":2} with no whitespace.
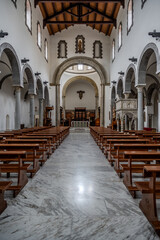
{"x":80,"y":124}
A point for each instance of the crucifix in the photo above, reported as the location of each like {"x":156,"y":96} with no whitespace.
{"x":80,"y":93}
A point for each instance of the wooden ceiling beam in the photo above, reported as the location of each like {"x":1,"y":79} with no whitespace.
{"x":79,"y":22}
{"x":56,"y":14}
{"x":80,"y":1}
{"x":45,"y":10}
{"x":100,"y":13}
{"x":105,"y":8}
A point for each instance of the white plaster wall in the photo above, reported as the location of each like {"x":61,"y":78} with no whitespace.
{"x":7,"y":103}
{"x":72,"y":97}
{"x":67,"y":76}
{"x":12,"y":20}
{"x":144,"y":20}
{"x":90,"y":36}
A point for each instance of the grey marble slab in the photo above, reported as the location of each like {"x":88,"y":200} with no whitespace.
{"x":76,"y":195}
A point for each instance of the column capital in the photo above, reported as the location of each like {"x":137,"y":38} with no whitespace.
{"x":126,"y":95}
{"x":140,"y":88}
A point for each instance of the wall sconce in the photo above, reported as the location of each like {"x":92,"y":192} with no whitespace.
{"x":133,"y":59}
{"x":37,"y":74}
{"x":3,"y":34}
{"x":121,"y":73}
{"x":114,"y":82}
{"x":45,"y":82}
{"x":155,"y":34}
{"x":24,"y":60}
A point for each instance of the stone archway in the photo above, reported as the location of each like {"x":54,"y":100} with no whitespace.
{"x":147,"y":52}
{"x":90,"y":81}
{"x":17,"y":80}
{"x":74,"y":61}
{"x":143,"y":61}
{"x":15,"y":64}
{"x":131,"y":70}
{"x":31,"y":80}
{"x":120,"y":88}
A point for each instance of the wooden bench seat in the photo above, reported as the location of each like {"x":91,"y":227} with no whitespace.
{"x":4,"y":185}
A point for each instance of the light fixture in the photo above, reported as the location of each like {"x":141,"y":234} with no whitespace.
{"x":114,"y":82}
{"x":45,"y":82}
{"x":121,"y":73}
{"x":24,"y":60}
{"x":133,"y":59}
{"x":155,"y":34}
{"x":37,"y":74}
{"x":3,"y":34}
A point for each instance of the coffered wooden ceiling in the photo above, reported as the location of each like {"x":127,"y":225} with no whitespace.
{"x":100,"y":15}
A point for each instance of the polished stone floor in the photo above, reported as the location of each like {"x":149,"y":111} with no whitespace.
{"x":76,"y":195}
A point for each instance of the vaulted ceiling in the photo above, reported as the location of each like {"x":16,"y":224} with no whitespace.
{"x":59,"y":15}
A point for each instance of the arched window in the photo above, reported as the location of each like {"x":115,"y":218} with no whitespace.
{"x":28,"y":15}
{"x":39,"y":35}
{"x":120,"y":36}
{"x":62,"y":49}
{"x":97,"y":49}
{"x":130,"y":14}
{"x":113,"y":49}
{"x":46,"y":49}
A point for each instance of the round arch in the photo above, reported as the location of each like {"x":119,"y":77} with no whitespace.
{"x":120,"y":87}
{"x":143,"y":61}
{"x":46,"y":95}
{"x":40,"y":88}
{"x":74,"y":61}
{"x":128,"y":77}
{"x":80,"y":60}
{"x":14,"y":61}
{"x":30,"y":76}
{"x":71,"y":80}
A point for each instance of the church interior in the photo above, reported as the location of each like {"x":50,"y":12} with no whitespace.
{"x":79,"y":119}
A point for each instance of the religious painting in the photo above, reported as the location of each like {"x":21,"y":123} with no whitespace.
{"x":80,"y":44}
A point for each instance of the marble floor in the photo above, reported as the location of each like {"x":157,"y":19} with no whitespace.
{"x":76,"y":195}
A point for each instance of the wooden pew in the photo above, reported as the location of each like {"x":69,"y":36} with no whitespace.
{"x":4,"y":185}
{"x":110,"y":149}
{"x":134,"y":159}
{"x":11,"y":162}
{"x":150,"y":191}
{"x":121,"y":147}
{"x":42,"y":151}
{"x":31,"y":150}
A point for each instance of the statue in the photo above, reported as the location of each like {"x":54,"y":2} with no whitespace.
{"x":80,"y":93}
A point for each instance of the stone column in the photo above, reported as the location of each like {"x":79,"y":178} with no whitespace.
{"x":130,"y":123}
{"x":32,"y":110}
{"x":17,"y":107}
{"x":126,"y":122}
{"x":135,"y":124}
{"x":118,"y":124}
{"x":121,"y":124}
{"x":159,"y":111}
{"x":41,"y":112}
{"x":102,"y":106}
{"x":140,"y":108}
{"x":96,"y":107}
{"x":64,"y":106}
{"x":58,"y":104}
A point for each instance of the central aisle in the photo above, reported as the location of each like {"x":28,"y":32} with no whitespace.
{"x":75,"y":196}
